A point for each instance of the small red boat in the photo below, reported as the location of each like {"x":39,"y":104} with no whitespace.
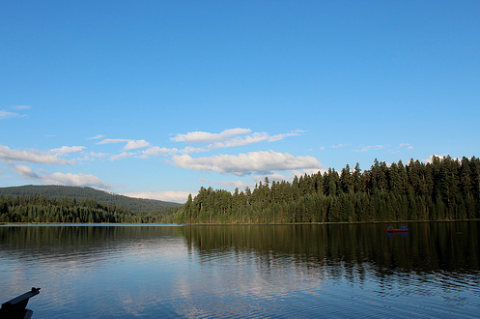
{"x":397,"y":230}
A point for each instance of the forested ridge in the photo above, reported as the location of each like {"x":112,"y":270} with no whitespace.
{"x":445,"y":189}
{"x":42,"y":209}
{"x":81,"y":193}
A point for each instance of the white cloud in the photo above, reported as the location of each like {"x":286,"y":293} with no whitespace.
{"x":112,"y":141}
{"x":92,"y":155}
{"x":60,"y":178}
{"x":369,"y":148}
{"x":25,"y":172}
{"x":190,"y":150}
{"x":121,"y":156}
{"x":96,"y":137}
{"x":241,"y":141}
{"x":157,"y":151}
{"x":131,"y":144}
{"x":228,"y":138}
{"x":205,"y":137}
{"x":65,"y":150}
{"x":409,"y":147}
{"x":279,"y":137}
{"x":75,"y":180}
{"x":339,"y":145}
{"x":254,"y":138}
{"x":168,"y":196}
{"x":246,"y":163}
{"x":8,"y":115}
{"x":31,"y":156}
{"x":152,"y":151}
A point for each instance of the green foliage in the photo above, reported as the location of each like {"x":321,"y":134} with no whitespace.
{"x":84,"y":193}
{"x":445,"y":189}
{"x":41,"y":209}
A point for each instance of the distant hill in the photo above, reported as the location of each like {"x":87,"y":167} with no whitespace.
{"x":81,"y":193}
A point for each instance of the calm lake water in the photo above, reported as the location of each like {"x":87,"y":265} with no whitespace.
{"x":304,"y":271}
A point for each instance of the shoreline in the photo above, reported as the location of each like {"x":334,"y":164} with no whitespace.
{"x":236,"y":224}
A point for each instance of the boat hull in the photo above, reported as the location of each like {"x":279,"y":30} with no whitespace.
{"x":402,"y":229}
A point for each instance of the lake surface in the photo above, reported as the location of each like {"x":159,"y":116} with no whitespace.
{"x":302,"y":271}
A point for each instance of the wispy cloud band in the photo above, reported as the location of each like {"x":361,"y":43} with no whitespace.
{"x":31,"y":156}
{"x":8,"y":115}
{"x":245,"y":164}
{"x":61,"y":178}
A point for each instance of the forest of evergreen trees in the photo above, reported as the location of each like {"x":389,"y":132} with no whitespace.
{"x":445,"y":189}
{"x":42,"y":209}
{"x":82,"y":193}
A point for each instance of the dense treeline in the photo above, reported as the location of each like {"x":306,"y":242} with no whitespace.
{"x":83,"y":193}
{"x":41,"y":209}
{"x":445,"y":189}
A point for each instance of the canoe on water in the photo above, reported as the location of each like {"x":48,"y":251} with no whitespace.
{"x":395,"y":230}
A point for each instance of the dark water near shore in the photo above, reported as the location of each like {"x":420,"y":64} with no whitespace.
{"x":303,"y":271}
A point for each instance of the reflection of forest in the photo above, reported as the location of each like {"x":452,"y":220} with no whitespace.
{"x":429,"y":247}
{"x":58,"y":241}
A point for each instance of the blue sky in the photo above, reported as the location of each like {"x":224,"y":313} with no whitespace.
{"x":155,"y":99}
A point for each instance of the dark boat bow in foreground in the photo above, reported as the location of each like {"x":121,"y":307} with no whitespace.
{"x":15,"y":308}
